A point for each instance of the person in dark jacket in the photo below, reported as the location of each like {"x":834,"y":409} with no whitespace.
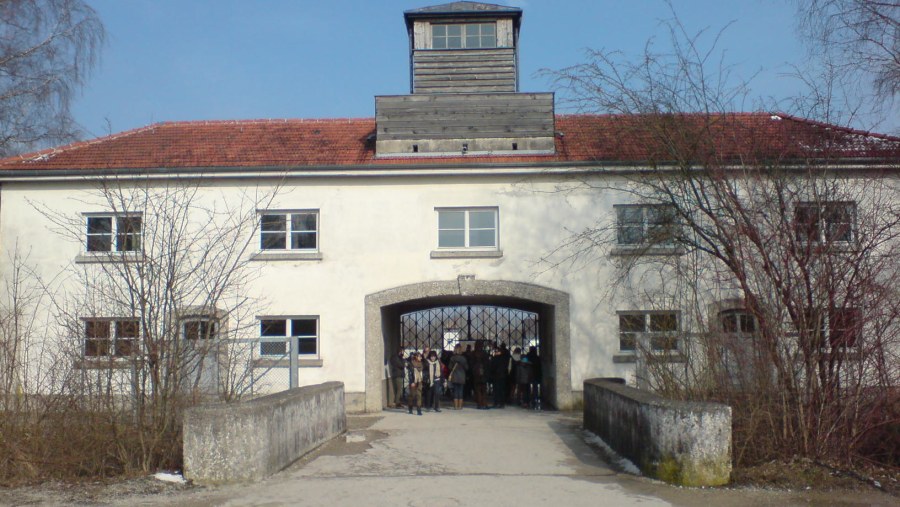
{"x":415,"y":376}
{"x":499,"y":372}
{"x":524,"y":375}
{"x":458,"y":366}
{"x":480,"y":369}
{"x":397,"y":365}
{"x":433,"y":372}
{"x":535,"y":361}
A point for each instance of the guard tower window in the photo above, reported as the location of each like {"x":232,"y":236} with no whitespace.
{"x":464,"y":36}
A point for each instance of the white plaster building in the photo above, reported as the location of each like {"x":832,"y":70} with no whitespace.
{"x":457,"y":195}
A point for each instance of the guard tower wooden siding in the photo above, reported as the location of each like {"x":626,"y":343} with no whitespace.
{"x":464,"y":83}
{"x":439,"y":67}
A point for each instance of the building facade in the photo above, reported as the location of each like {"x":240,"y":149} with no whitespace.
{"x":326,"y":246}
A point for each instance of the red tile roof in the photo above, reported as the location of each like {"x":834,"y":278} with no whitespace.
{"x":350,"y":142}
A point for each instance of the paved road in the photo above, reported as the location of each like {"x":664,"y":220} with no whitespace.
{"x":509,"y":457}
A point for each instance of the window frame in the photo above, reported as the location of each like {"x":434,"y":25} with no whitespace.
{"x":464,"y":36}
{"x":289,"y":334}
{"x":646,"y":227}
{"x":741,"y":318}
{"x":113,"y":336}
{"x":289,"y":232}
{"x":647,"y":336}
{"x":118,"y":240}
{"x":202,"y":337}
{"x":819,"y":227}
{"x":468,"y":229}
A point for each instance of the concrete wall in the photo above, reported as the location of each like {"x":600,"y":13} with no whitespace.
{"x":684,"y":443}
{"x":250,"y":440}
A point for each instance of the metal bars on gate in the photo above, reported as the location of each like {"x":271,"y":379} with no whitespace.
{"x":442,"y":327}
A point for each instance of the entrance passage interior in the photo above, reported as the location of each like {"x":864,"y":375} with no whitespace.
{"x":479,"y":312}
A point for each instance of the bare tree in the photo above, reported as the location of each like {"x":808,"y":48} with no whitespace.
{"x":781,"y":259}
{"x":47,"y":49}
{"x":157,"y":314}
{"x":863,"y":35}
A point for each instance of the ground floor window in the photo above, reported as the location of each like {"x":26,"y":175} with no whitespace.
{"x":656,"y":330}
{"x":109,"y":337}
{"x":276,"y":333}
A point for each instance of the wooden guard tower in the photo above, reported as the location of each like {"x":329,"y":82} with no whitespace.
{"x":464,"y":82}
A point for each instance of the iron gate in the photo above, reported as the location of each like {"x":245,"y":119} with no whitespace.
{"x":442,"y":328}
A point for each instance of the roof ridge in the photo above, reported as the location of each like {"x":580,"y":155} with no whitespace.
{"x":267,"y":121}
{"x":842,"y":128}
{"x":47,"y":153}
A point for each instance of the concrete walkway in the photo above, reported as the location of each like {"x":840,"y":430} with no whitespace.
{"x":509,"y":457}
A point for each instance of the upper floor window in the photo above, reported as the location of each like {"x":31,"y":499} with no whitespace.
{"x":110,"y":337}
{"x":825,"y":222}
{"x":659,"y":328}
{"x":464,"y":36}
{"x":295,"y":230}
{"x":300,"y":332}
{"x":467,"y":228}
{"x":836,"y":327}
{"x":114,"y":233}
{"x":645,"y":225}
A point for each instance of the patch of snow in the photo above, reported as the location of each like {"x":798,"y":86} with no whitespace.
{"x":354,"y":437}
{"x":775,"y":117}
{"x":169,"y":477}
{"x":624,"y":463}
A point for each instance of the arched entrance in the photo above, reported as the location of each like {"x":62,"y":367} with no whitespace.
{"x":383,"y":311}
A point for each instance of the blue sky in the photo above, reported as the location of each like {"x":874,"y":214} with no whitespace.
{"x":225,"y":59}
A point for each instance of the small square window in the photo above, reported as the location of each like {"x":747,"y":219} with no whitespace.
{"x":825,"y":222}
{"x":646,"y":225}
{"x":113,"y":233}
{"x":474,"y":228}
{"x":110,"y":337}
{"x":301,"y":332}
{"x":295,"y":231}
{"x":659,"y":329}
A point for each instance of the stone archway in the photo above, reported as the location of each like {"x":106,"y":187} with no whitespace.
{"x":553,"y":305}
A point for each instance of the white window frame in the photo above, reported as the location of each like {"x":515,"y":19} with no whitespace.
{"x":289,"y":231}
{"x":202,"y":338}
{"x":646,"y":338}
{"x":464,"y":35}
{"x":114,"y":235}
{"x":823,"y":224}
{"x":289,"y":335}
{"x":114,"y":336}
{"x":467,"y":229}
{"x":645,"y":226}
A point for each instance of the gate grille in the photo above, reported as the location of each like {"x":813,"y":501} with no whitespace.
{"x":443,"y":327}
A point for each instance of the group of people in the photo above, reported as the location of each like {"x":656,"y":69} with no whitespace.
{"x":474,"y":373}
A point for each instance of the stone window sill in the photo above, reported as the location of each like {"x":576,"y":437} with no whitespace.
{"x":662,"y":357}
{"x":638,"y":250}
{"x":287,"y":256}
{"x":286,"y":363}
{"x":103,"y":257}
{"x":103,"y":363}
{"x":466,"y":254}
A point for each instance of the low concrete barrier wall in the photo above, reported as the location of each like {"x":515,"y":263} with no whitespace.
{"x":250,"y":440}
{"x":684,"y":443}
